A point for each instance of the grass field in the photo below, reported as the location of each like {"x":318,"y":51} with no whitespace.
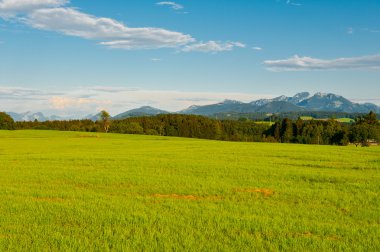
{"x":341,"y":120}
{"x":264,"y":122}
{"x":72,"y":191}
{"x":345,"y":120}
{"x":306,"y":118}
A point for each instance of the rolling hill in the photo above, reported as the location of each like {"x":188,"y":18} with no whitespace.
{"x":142,"y":111}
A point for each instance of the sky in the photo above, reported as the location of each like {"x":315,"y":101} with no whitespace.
{"x":76,"y":57}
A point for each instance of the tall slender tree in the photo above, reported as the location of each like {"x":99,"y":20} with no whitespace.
{"x":106,"y":120}
{"x":287,"y":131}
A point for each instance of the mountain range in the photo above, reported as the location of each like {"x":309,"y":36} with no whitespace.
{"x":30,"y":116}
{"x":300,"y":102}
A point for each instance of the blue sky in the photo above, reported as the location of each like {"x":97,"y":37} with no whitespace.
{"x":77,"y":56}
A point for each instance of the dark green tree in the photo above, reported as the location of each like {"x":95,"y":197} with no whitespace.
{"x":6,"y":121}
{"x":287,"y":131}
{"x":365,"y":129}
{"x":277,"y":131}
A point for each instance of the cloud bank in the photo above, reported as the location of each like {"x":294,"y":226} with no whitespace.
{"x":90,"y":100}
{"x":296,"y":63}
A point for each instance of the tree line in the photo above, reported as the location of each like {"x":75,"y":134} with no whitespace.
{"x":365,"y":130}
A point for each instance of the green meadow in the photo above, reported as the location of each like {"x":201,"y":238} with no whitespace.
{"x":73,"y":191}
{"x":341,"y":120}
{"x":345,"y":120}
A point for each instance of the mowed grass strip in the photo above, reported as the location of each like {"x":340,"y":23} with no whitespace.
{"x":72,"y":191}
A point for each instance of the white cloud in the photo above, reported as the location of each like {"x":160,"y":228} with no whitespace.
{"x":10,"y":8}
{"x":350,"y":30}
{"x":62,"y":103}
{"x":293,"y":3}
{"x":116,"y":35}
{"x":173,"y":5}
{"x":371,"y":30}
{"x":296,"y":63}
{"x":212,"y":46}
{"x":257,"y":48}
{"x":19,"y":92}
{"x":111,"y":89}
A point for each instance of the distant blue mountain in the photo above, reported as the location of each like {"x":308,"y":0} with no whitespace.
{"x":30,"y":116}
{"x":143,"y":111}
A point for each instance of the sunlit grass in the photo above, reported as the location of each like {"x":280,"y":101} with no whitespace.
{"x":87,"y":191}
{"x":345,"y":120}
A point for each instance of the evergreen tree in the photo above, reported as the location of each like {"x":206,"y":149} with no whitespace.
{"x":287,"y":133}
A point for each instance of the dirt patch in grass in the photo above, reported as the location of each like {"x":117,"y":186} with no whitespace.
{"x":6,"y":236}
{"x":176,"y":196}
{"x":333,"y":238}
{"x":307,"y":234}
{"x":264,"y":192}
{"x":186,"y":197}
